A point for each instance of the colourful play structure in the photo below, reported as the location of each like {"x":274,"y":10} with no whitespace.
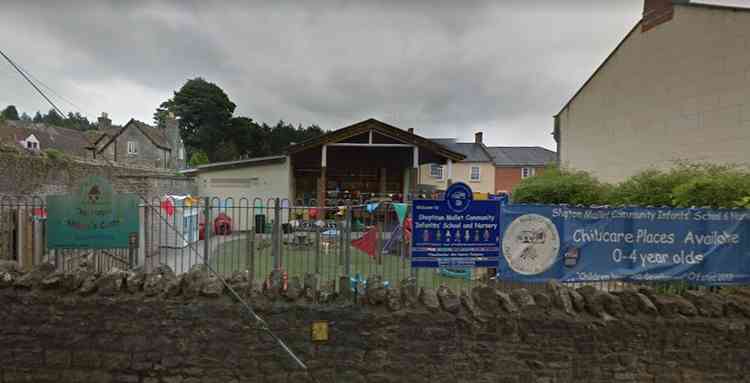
{"x":458,"y":274}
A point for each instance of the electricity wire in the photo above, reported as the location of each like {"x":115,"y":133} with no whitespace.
{"x":17,"y":68}
{"x":263,"y":325}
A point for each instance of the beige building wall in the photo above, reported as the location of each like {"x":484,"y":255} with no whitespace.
{"x":462,"y":173}
{"x":260,"y":181}
{"x":680,"y":91}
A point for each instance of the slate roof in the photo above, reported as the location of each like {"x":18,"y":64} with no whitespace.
{"x":473,"y":152}
{"x":69,"y":141}
{"x":522,"y":155}
{"x":156,"y":135}
{"x":97,"y":134}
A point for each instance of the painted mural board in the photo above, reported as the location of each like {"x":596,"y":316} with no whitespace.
{"x":94,"y":217}
{"x":456,"y":232}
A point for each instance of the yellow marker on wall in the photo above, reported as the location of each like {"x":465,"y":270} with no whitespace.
{"x":320,"y":331}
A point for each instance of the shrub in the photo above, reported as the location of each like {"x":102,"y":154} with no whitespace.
{"x":556,"y":186}
{"x":685,"y":185}
{"x":198,"y":158}
{"x":54,"y":154}
{"x":719,"y":190}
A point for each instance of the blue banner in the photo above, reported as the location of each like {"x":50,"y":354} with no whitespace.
{"x":573,"y":244}
{"x":457,"y":232}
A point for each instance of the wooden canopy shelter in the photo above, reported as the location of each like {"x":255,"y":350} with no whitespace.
{"x":366,"y":160}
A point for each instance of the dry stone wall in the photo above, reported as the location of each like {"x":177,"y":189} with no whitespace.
{"x":25,"y":175}
{"x":135,"y":327}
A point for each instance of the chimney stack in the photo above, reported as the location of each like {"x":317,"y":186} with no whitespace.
{"x":104,"y":122}
{"x":411,"y":130}
{"x":478,"y":138}
{"x":657,"y":12}
{"x":171,"y":121}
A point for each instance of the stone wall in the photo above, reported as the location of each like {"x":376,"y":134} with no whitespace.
{"x":38,"y":175}
{"x":133,"y":327}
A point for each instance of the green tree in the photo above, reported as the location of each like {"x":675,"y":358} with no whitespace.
{"x":205,"y":113}
{"x":77,"y":121}
{"x":53,"y":118}
{"x":38,"y":117}
{"x":10,"y":113}
{"x":198,"y":158}
{"x":25,"y":117}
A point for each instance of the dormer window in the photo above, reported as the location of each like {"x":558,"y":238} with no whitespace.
{"x":31,"y":143}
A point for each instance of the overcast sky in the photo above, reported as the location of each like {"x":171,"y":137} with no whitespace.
{"x":446,"y":68}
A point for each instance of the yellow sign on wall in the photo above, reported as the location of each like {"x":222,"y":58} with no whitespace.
{"x":320,"y":331}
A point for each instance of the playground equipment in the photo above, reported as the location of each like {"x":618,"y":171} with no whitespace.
{"x":458,"y":274}
{"x":399,"y":233}
{"x":358,"y":280}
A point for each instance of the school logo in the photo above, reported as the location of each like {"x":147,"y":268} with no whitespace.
{"x":459,"y":197}
{"x":530,"y":244}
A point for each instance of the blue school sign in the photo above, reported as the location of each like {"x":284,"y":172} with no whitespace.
{"x":701,"y":246}
{"x":456,"y":232}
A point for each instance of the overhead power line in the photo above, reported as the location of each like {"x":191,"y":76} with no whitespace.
{"x":45,"y":86}
{"x":60,"y":112}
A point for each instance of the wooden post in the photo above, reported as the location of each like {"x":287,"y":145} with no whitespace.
{"x":382,"y":182}
{"x":322,"y":182}
{"x":322,"y":190}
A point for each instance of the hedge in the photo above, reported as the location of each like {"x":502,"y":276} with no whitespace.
{"x":685,"y":185}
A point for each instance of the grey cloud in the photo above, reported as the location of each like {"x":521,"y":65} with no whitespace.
{"x":443,"y":67}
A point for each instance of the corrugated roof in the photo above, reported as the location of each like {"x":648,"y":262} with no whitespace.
{"x":69,"y":141}
{"x":522,"y":155}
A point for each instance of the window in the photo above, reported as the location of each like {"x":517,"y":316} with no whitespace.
{"x":436,"y":171}
{"x":32,"y":145}
{"x":132,"y":147}
{"x":181,"y":154}
{"x":475,"y":173}
{"x":527,"y":172}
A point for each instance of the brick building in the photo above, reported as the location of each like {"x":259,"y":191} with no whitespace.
{"x":514,"y":163}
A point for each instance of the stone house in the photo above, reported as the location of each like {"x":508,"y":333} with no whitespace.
{"x":139,"y":144}
{"x":677,"y":87}
{"x":38,"y":137}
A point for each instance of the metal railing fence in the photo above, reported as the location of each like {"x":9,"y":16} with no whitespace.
{"x":257,"y":236}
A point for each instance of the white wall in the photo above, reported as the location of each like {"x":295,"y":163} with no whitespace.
{"x":680,"y":91}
